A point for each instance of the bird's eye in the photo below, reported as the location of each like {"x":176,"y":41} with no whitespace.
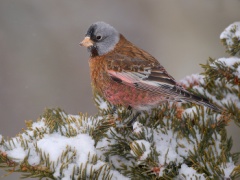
{"x":99,"y":37}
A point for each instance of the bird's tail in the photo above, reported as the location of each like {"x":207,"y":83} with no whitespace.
{"x":205,"y":102}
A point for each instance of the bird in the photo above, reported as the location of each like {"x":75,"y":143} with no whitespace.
{"x":128,"y":76}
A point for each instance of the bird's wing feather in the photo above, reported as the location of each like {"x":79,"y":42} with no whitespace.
{"x":141,"y":71}
{"x":159,"y":84}
{"x":144,"y":81}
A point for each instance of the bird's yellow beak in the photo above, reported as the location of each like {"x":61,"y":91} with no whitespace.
{"x":86,"y":42}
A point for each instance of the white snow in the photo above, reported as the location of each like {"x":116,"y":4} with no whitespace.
{"x":227,"y":169}
{"x":118,"y":161}
{"x":65,"y":153}
{"x":66,"y":172}
{"x":56,"y":144}
{"x":228,"y":34}
{"x":230,"y":61}
{"x":188,"y":173}
{"x":137,"y":127}
{"x":146,"y":149}
{"x":39,"y":124}
{"x":231,"y":98}
{"x":17,"y":153}
{"x":170,"y":147}
{"x":1,"y":138}
{"x":103,"y":105}
{"x":190,"y":112}
{"x":194,"y":79}
{"x":34,"y":157}
{"x":165,"y":145}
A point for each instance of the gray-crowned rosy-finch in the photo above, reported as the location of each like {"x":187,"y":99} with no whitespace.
{"x":129,"y":76}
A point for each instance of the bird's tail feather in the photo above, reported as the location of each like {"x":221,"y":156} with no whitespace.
{"x":205,"y":102}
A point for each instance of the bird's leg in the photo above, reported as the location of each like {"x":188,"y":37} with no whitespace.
{"x":129,"y":108}
{"x":134,"y":119}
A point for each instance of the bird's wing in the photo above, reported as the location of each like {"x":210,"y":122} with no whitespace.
{"x":149,"y":82}
{"x":144,"y":74}
{"x":157,"y":81}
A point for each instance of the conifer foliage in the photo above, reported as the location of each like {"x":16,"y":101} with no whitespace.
{"x":173,"y":141}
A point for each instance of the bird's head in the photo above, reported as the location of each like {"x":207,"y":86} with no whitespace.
{"x":100,"y":38}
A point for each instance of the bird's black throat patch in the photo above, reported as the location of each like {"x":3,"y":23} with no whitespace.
{"x":93,"y":51}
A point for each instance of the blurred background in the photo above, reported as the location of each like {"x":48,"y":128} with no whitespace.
{"x":42,"y":64}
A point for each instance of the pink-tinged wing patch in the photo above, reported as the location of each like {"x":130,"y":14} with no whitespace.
{"x":144,"y":81}
{"x":123,"y":76}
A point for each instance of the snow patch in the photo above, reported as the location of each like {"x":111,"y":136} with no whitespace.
{"x":227,"y":169}
{"x":190,"y":112}
{"x":137,"y":127}
{"x":39,"y":124}
{"x":188,"y":173}
{"x":229,"y":61}
{"x":229,"y":31}
{"x":167,"y":145}
{"x":145,"y":146}
{"x":103,"y":105}
{"x":192,"y":80}
{"x":17,"y":153}
{"x":232,"y":31}
{"x":55,"y":145}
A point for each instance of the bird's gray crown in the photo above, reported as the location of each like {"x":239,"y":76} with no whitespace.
{"x":104,"y":36}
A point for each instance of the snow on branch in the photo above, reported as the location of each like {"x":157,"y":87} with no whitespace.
{"x":231,"y":38}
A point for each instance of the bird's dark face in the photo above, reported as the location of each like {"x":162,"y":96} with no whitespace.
{"x":100,"y":38}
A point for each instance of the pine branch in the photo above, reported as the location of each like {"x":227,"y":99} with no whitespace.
{"x":230,"y":37}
